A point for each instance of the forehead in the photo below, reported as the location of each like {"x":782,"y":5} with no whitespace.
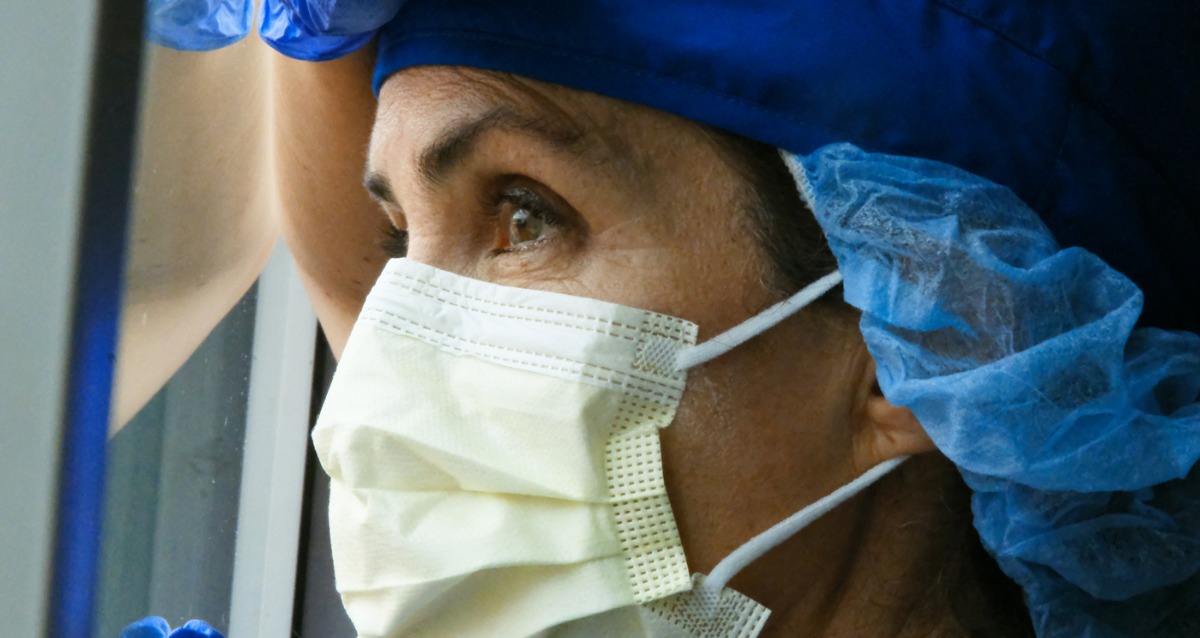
{"x":419,"y":104}
{"x":457,"y":90}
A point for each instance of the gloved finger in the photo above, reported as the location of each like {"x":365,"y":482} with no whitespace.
{"x":151,"y":627}
{"x":198,"y":25}
{"x":196,"y":629}
{"x":344,"y":17}
{"x":284,"y":30}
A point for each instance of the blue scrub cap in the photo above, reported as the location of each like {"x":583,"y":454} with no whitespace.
{"x":1075,"y":431}
{"x":1084,"y":108}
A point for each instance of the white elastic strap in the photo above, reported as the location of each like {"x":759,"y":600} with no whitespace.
{"x":789,"y":527}
{"x":743,"y":332}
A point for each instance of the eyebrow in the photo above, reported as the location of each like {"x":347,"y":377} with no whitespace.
{"x":438,"y":160}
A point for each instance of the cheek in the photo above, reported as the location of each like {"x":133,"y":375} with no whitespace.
{"x":637,"y":263}
{"x":729,"y":276}
{"x":705,"y":270}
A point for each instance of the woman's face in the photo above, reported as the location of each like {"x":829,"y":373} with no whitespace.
{"x":533,"y":185}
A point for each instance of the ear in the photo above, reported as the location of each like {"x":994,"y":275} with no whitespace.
{"x":885,"y":430}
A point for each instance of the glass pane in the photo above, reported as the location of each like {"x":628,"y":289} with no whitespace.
{"x":173,"y":481}
{"x":184,"y":422}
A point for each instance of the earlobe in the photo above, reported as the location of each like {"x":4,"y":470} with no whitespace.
{"x":888,"y":430}
{"x":896,"y":428}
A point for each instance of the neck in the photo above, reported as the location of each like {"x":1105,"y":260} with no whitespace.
{"x":901,"y":559}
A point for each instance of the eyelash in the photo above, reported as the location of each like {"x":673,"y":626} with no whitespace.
{"x":394,"y":242}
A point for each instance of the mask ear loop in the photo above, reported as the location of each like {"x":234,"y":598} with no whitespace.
{"x":743,"y":332}
{"x":759,"y":545}
{"x":756,"y":547}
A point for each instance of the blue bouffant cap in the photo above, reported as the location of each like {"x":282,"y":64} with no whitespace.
{"x":1076,"y":432}
{"x":1085,"y":109}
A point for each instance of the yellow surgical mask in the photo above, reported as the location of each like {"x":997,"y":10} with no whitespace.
{"x":496,"y":470}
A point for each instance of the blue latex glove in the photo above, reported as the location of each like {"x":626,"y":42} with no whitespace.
{"x":318,"y":30}
{"x":156,"y":627}
{"x":344,"y":17}
{"x":197,"y":25}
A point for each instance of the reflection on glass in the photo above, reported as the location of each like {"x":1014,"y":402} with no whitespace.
{"x":203,"y":227}
{"x":203,"y":224}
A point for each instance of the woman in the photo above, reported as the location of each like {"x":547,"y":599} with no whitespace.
{"x":650,"y":193}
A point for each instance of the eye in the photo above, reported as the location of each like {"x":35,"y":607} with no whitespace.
{"x":525,"y":226}
{"x":528,"y":219}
